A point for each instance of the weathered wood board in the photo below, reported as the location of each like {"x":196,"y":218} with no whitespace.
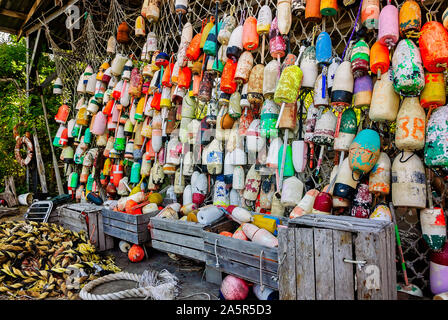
{"x":131,"y":228}
{"x":242,"y":259}
{"x":337,"y":258}
{"x":183,"y":238}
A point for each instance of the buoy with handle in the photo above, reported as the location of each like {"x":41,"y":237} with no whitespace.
{"x":347,"y":132}
{"x":434,"y":93}
{"x":385,"y":101}
{"x":370,"y":13}
{"x":379,"y":177}
{"x":410,"y":19}
{"x":407,"y":69}
{"x":310,"y":124}
{"x":324,"y":134}
{"x":408,"y":181}
{"x":364,"y":151}
{"x":388,"y":33}
{"x":410,"y":132}
{"x":433,"y":220}
{"x":433,"y":44}
{"x":346,"y":181}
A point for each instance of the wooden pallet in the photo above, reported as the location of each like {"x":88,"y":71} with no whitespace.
{"x":85,"y":217}
{"x":131,"y":228}
{"x":239,"y":258}
{"x":183,"y":238}
{"x":320,"y":259}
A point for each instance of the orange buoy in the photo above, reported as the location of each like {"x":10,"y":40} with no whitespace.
{"x":250,"y":35}
{"x":228,"y":84}
{"x":433,"y":44}
{"x":379,"y":59}
{"x":312,"y":11}
{"x":328,"y":7}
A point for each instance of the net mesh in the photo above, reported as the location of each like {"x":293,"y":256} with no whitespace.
{"x":102,"y":19}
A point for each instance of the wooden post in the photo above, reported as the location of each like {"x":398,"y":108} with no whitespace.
{"x":40,"y":163}
{"x":55,"y":161}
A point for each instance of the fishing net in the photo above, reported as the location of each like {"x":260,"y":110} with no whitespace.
{"x":101,"y":19}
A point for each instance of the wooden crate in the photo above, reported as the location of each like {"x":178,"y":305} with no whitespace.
{"x":128,"y":227}
{"x":183,"y":238}
{"x":85,"y":217}
{"x":239,"y":258}
{"x":314,"y":253}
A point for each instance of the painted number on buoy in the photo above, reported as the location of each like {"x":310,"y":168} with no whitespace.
{"x":373,"y":277}
{"x":418,"y":128}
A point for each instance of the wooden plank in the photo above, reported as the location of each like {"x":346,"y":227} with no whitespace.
{"x":368,"y":283}
{"x":287,"y":264}
{"x":185,"y":227}
{"x":383,"y":254}
{"x":125,"y":225}
{"x":343,"y":223}
{"x":323,"y":264}
{"x":132,"y":237}
{"x":213,"y":275}
{"x":246,"y":272}
{"x":392,"y":265}
{"x":344,"y":286}
{"x":134,"y":219}
{"x":305,"y":273}
{"x":51,"y":17}
{"x":69,"y":226}
{"x":74,"y":222}
{"x":240,"y":245}
{"x":240,"y":257}
{"x":93,"y":228}
{"x":28,"y":17}
{"x":182,"y":251}
{"x":106,"y":242}
{"x":178,"y":239}
{"x":71,"y":214}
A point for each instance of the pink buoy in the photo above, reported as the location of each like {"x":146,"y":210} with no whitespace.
{"x":388,"y":33}
{"x":233,"y":288}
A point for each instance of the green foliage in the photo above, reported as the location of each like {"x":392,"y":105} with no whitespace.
{"x":16,"y":108}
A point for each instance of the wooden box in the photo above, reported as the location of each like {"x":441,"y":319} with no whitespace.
{"x":85,"y":217}
{"x":240,"y":258}
{"x":337,"y":258}
{"x":128,"y":227}
{"x":183,"y":238}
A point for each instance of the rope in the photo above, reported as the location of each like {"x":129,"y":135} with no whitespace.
{"x":216,"y":254}
{"x":319,"y":219}
{"x":152,"y":284}
{"x":353,"y":30}
{"x":261,"y":273}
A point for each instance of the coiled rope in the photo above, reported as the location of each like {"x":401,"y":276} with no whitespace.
{"x":152,"y":284}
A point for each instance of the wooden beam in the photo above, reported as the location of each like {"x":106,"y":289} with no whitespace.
{"x":13,"y":14}
{"x":51,"y":17}
{"x":8,"y":30}
{"x":28,"y":17}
